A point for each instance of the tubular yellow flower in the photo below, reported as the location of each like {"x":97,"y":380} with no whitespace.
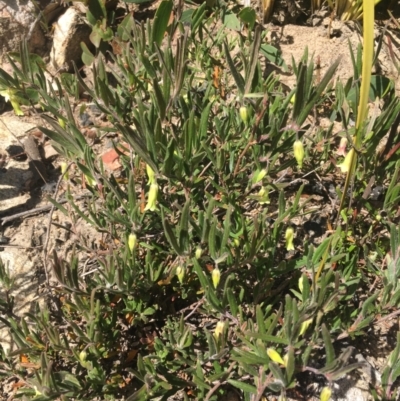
{"x":289,"y":235}
{"x":345,"y":166}
{"x":150,"y":174}
{"x":132,"y":242}
{"x":274,"y":356}
{"x":325,"y":394}
{"x":216,"y":276}
{"x":180,"y":273}
{"x":219,"y":329}
{"x":152,"y":199}
{"x":244,"y":115}
{"x":298,"y":150}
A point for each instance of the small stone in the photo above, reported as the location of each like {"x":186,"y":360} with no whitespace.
{"x":85,"y":120}
{"x":69,"y":31}
{"x":111,"y":159}
{"x":50,"y":152}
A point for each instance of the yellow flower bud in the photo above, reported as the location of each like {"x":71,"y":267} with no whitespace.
{"x":298,"y":150}
{"x":219,"y":329}
{"x":82,"y":356}
{"x":64,"y":170}
{"x":325,"y":394}
{"x":150,"y":174}
{"x":304,"y":326}
{"x":152,"y":199}
{"x":285,"y":359}
{"x":274,"y":356}
{"x":216,"y":276}
{"x":345,"y":166}
{"x":132,"y":242}
{"x":289,"y":235}
{"x":198,"y":252}
{"x":180,"y":273}
{"x":244,"y":115}
{"x":90,"y":180}
{"x":61,"y":121}
{"x":301,"y":284}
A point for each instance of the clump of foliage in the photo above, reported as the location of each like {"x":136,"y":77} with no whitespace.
{"x":207,"y":285}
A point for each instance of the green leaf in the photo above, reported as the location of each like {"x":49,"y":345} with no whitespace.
{"x":227,"y":228}
{"x":125,"y":27}
{"x":277,"y":372}
{"x":248,"y":16}
{"x":96,"y":34}
{"x":247,"y":388}
{"x":316,"y":95}
{"x":255,"y":46}
{"x":273,"y":55}
{"x":138,"y":143}
{"x":198,"y":16}
{"x":186,"y":17}
{"x":96,"y":11}
{"x":232,"y":301}
{"x":267,"y":337}
{"x":379,"y":87}
{"x":329,"y":351}
{"x":87,"y":56}
{"x":212,"y":239}
{"x":290,"y":364}
{"x":368,"y":306}
{"x":231,"y":21}
{"x":184,"y":226}
{"x":169,"y":234}
{"x":160,"y":22}
{"x":236,"y":75}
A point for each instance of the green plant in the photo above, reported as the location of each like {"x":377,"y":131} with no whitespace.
{"x":201,"y":282}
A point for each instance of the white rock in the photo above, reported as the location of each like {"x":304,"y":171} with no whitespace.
{"x":69,"y":31}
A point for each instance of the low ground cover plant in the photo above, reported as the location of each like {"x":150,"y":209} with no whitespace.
{"x":213,"y":281}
